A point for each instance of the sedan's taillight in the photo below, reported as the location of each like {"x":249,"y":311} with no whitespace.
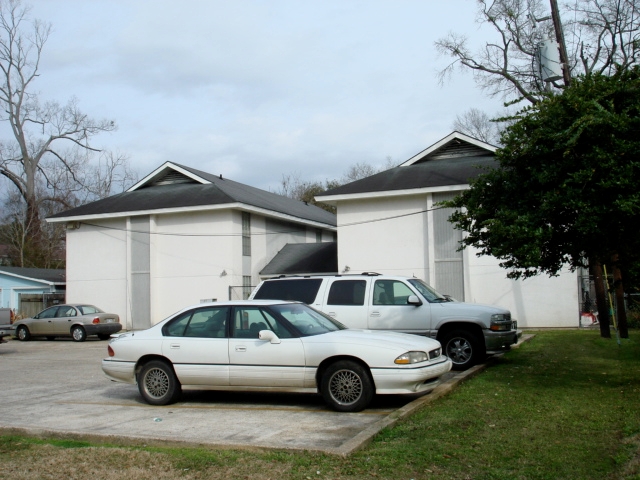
{"x":110,"y":350}
{"x":96,"y":320}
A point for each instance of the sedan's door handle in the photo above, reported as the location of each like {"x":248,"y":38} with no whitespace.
{"x":175,"y":345}
{"x":375,"y":314}
{"x":241,"y":348}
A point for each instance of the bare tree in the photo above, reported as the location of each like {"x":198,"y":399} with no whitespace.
{"x":48,"y":141}
{"x":601,"y":36}
{"x":478,"y":124}
{"x":293,"y":186}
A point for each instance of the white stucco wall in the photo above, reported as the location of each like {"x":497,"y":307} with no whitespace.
{"x":265,"y":243}
{"x":401,"y":246}
{"x":539,"y":301}
{"x":194,"y":256}
{"x":189,"y":253}
{"x":96,"y":266}
{"x":395,"y":246}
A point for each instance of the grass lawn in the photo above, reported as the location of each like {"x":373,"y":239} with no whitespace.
{"x":565,"y":405}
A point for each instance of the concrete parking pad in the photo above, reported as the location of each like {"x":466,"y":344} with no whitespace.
{"x":58,"y":388}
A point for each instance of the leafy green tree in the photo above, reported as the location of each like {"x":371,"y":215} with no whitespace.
{"x":565,"y":191}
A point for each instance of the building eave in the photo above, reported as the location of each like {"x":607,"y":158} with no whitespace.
{"x":31,"y":279}
{"x":198,"y":208}
{"x":334,"y":199}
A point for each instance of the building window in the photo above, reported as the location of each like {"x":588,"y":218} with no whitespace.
{"x":246,"y":234}
{"x":246,"y":286}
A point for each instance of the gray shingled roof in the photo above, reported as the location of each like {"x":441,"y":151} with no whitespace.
{"x":434,"y":173}
{"x":220,"y":191}
{"x":50,"y":275}
{"x":299,"y":258}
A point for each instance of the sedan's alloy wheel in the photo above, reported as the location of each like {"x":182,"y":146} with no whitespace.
{"x":78,"y":334}
{"x":156,"y":383}
{"x":23,"y":333}
{"x":346,"y":386}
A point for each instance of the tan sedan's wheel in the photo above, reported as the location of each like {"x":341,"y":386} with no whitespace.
{"x":347,"y":387}
{"x":78,"y":334}
{"x":23,"y":333}
{"x":158,"y":384}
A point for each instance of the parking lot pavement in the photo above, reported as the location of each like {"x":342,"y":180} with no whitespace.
{"x":57,"y":387}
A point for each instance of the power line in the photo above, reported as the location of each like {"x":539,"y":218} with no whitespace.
{"x":254,"y":234}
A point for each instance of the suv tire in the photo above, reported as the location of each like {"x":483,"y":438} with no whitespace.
{"x":463,"y":348}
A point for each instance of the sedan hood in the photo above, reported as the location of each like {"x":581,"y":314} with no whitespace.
{"x":376,"y":338}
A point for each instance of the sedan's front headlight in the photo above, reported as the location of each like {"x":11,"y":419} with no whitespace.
{"x":412,"y":357}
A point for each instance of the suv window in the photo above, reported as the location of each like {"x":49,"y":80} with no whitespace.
{"x":390,"y":292}
{"x":347,"y":292}
{"x":301,"y":290}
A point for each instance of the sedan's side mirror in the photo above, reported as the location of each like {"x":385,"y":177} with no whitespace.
{"x":413,"y":300}
{"x":268,"y":336}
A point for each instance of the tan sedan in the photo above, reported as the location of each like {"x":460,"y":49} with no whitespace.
{"x":75,"y":321}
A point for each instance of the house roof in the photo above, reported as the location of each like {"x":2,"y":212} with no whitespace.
{"x":174,"y":187}
{"x":47,"y":275}
{"x":436,"y":173}
{"x":299,"y":258}
{"x":453,"y":161}
{"x":455,"y":145}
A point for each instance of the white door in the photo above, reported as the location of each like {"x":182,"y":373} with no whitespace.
{"x":345,"y":302}
{"x":197,"y":344}
{"x":389,"y":310}
{"x":255,"y":362}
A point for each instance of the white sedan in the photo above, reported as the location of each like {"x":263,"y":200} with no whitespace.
{"x":272,"y":346}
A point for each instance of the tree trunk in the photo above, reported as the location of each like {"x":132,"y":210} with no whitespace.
{"x":595,"y":269}
{"x":33,"y":246}
{"x":621,"y":311}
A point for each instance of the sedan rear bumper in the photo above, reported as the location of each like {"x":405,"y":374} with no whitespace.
{"x":102,"y":328}
{"x":119,"y":371}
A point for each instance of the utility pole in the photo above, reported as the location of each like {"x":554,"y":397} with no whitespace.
{"x":555,"y":15}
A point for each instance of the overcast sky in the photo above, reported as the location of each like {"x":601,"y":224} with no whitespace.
{"x":258,"y":89}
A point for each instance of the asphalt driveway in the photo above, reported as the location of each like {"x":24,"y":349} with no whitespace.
{"x":57,"y":387}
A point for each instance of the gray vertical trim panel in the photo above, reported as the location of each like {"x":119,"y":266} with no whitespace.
{"x":449,"y":271}
{"x":140,"y":273}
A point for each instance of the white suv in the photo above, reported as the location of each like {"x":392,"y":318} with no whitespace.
{"x":372,"y":301}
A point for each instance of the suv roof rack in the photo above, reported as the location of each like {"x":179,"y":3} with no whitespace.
{"x":310,"y":275}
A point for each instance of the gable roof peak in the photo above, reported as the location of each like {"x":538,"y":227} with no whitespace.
{"x":456,"y":144}
{"x":171,"y":173}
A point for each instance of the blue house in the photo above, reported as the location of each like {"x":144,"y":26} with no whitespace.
{"x":29,"y":290}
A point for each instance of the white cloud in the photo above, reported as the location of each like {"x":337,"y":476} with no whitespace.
{"x":256,"y":89}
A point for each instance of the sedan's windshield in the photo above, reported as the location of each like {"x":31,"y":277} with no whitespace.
{"x":427,"y":291}
{"x":307,"y":320}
